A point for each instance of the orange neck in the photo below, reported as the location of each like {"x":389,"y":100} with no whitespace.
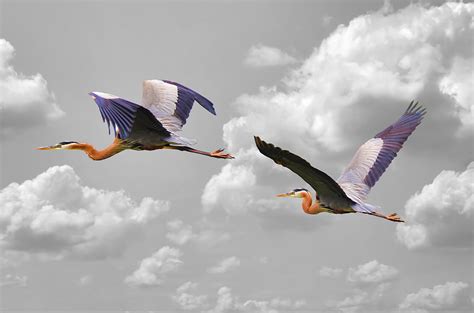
{"x":97,"y":155}
{"x":308,"y":206}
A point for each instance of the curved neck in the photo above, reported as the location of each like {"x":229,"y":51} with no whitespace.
{"x":308,"y":206}
{"x":97,"y":155}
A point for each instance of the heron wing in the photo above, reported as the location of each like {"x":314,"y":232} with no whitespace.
{"x":330,"y":193}
{"x":125,"y":116}
{"x":171,"y":102}
{"x":374,"y":156}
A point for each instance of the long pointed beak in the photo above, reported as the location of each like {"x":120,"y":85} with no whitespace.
{"x":282,"y":195}
{"x":47,"y":148}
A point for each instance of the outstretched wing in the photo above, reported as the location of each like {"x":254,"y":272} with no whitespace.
{"x":125,"y":116}
{"x":374,"y":156}
{"x":171,"y":102}
{"x":330,"y":193}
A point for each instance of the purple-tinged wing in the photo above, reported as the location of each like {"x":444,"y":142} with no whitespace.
{"x":171,"y":102}
{"x":374,"y":156}
{"x":125,"y":116}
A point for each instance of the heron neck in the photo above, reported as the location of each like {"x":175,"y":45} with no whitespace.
{"x":105,"y":153}
{"x":308,"y":206}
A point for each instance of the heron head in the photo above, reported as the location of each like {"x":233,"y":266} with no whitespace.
{"x":64,"y":145}
{"x":295,"y":193}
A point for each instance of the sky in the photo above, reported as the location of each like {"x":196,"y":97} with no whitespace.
{"x":168,"y":231}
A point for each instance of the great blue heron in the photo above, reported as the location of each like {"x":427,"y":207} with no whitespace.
{"x":150,"y":126}
{"x":349,"y":192}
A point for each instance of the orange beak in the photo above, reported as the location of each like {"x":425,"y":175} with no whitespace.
{"x":282,"y":195}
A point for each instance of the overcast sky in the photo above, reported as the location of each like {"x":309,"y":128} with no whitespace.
{"x":169,"y":231}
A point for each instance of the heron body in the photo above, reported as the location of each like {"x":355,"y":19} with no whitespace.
{"x":348,"y":193}
{"x":150,"y":126}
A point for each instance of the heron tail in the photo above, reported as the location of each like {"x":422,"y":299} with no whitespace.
{"x":365,"y":208}
{"x":182,"y":141}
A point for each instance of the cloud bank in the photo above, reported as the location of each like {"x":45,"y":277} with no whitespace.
{"x":54,"y":215}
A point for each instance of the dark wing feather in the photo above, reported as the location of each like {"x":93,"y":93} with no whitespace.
{"x":330,"y":193}
{"x":126,"y":117}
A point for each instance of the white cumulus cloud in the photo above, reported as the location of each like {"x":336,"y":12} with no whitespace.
{"x":225,"y":265}
{"x":265,"y":56}
{"x":187,"y":300}
{"x":442,"y":214}
{"x":180,"y":233}
{"x":372,"y":272}
{"x":55,"y":215}
{"x":227,"y":302}
{"x":25,"y":101}
{"x":450,"y":296}
{"x":330,"y":272}
{"x":153,"y":270}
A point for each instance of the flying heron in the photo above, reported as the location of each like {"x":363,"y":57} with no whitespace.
{"x":349,"y":192}
{"x":150,"y":126}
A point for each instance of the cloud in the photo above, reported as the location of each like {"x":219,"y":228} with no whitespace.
{"x":265,"y":56}
{"x":227,"y":302}
{"x":225,"y":265}
{"x":441,"y":215}
{"x":153,"y":270}
{"x":230,"y":178}
{"x":363,"y":300}
{"x":330,"y":272}
{"x":25,"y":101}
{"x":326,"y":20}
{"x":85,"y":280}
{"x":370,"y":281}
{"x":449,"y":296}
{"x":372,"y":66}
{"x":371,"y":272}
{"x":457,"y":84}
{"x":189,"y":301}
{"x":54,"y":215}
{"x":180,"y":233}
{"x":13,"y":280}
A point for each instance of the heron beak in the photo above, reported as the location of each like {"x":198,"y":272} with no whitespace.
{"x":56,"y":147}
{"x":283,"y":195}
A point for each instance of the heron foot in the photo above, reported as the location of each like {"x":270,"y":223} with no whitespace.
{"x":219,"y":153}
{"x":394,"y":218}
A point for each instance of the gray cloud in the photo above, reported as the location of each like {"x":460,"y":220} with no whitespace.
{"x":188,"y":301}
{"x":25,"y":101}
{"x":227,"y":302}
{"x":153,"y":270}
{"x":265,"y":56}
{"x":225,"y":265}
{"x":13,"y":280}
{"x":449,"y":296}
{"x":54,"y":215}
{"x":371,"y":272}
{"x":441,"y":214}
{"x":330,"y":272}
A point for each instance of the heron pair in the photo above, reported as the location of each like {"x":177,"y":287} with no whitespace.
{"x":166,"y":105}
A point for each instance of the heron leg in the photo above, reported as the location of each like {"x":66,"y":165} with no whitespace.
{"x":392,"y":217}
{"x":219,"y":154}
